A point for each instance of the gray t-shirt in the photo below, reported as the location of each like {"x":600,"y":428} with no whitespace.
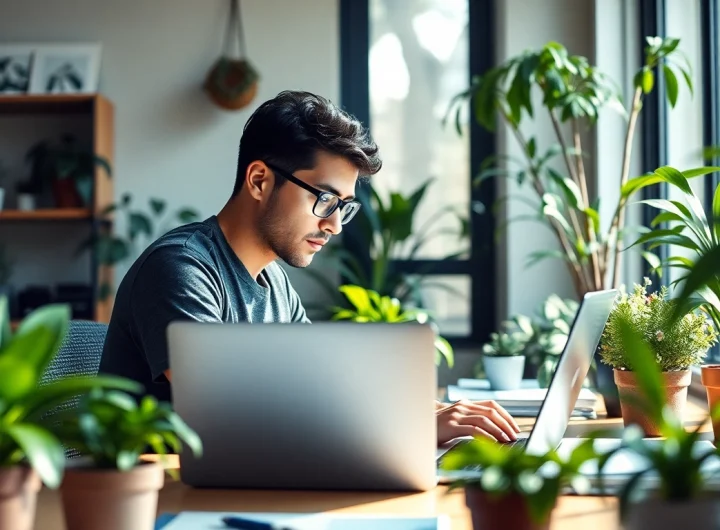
{"x":190,"y":273}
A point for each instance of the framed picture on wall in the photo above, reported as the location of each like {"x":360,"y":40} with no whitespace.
{"x":66,"y":69}
{"x":15,"y":67}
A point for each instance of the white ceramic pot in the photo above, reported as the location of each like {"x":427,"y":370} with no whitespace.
{"x":661,"y":515}
{"x":504,"y":373}
{"x":26,"y":202}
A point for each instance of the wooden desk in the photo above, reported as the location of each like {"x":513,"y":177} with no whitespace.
{"x":588,"y":513}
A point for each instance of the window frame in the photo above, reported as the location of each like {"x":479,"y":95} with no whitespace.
{"x":355,"y":98}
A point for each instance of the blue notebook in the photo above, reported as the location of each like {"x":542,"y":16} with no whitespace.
{"x":304,"y":521}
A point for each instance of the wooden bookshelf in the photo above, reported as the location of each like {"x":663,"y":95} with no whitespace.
{"x":101,"y":113}
{"x":46,"y":214}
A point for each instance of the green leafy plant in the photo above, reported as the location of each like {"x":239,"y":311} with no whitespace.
{"x":691,"y":228}
{"x":369,"y":306}
{"x":113,"y":429}
{"x":506,"y":344}
{"x":141,"y":230}
{"x":387,"y":229}
{"x":25,"y":436}
{"x":673,"y":460}
{"x":510,"y":470}
{"x":676,"y":344}
{"x":573,"y":94}
{"x":65,"y":160}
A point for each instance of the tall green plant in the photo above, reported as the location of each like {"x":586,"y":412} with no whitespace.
{"x":25,"y":437}
{"x":573,"y":94}
{"x":691,"y":228}
{"x":387,"y":228}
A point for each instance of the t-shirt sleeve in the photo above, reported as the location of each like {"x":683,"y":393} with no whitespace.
{"x":298,"y":311}
{"x":172,"y":284}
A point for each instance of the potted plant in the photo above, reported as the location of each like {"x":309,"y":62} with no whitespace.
{"x":110,"y":487}
{"x":68,"y":168}
{"x":29,"y":452}
{"x":677,"y":492}
{"x":507,"y":487}
{"x":677,"y":344}
{"x":368,"y":306}
{"x":503,"y":359}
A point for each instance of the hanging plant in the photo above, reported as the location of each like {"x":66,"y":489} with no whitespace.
{"x":232,"y":82}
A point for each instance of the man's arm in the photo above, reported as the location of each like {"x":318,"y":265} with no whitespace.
{"x":173,"y":284}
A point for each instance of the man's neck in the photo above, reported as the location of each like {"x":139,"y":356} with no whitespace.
{"x":242,"y":236}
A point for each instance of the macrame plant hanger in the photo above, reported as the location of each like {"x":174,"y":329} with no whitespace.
{"x":232,"y":82}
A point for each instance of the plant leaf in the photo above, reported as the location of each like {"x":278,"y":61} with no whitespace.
{"x":569,"y":188}
{"x":671,"y":84}
{"x":43,"y":450}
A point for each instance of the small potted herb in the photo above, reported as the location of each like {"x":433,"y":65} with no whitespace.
{"x":676,"y":492}
{"x":110,"y":487}
{"x":677,"y":344}
{"x":29,"y":452}
{"x":503,"y":359}
{"x":508,"y":487}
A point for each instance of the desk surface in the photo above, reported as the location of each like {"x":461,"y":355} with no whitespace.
{"x":588,"y":513}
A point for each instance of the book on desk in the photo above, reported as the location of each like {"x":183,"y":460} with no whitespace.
{"x":201,"y":520}
{"x":522,"y":402}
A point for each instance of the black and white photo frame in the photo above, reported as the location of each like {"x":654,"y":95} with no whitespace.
{"x":49,"y":68}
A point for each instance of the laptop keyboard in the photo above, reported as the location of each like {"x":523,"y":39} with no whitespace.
{"x":516,"y":443}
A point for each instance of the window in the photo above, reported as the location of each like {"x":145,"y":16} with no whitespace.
{"x":402,"y":62}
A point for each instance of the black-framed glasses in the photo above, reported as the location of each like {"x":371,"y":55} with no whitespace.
{"x":326,"y":202}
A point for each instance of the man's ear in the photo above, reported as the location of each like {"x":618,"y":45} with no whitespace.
{"x":260,"y":180}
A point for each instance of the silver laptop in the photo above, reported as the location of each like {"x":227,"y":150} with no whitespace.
{"x":337,"y":405}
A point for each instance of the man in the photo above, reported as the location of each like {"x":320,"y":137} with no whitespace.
{"x":300,"y":159}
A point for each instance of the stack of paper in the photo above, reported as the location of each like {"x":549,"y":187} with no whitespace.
{"x":309,"y":521}
{"x":525,"y":401}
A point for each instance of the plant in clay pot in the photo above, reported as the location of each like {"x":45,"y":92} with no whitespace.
{"x":110,"y":487}
{"x":508,"y":487}
{"x":503,"y":360}
{"x":676,"y":344}
{"x":673,"y":489}
{"x":29,"y":452}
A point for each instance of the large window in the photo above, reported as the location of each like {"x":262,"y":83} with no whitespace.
{"x":402,"y":63}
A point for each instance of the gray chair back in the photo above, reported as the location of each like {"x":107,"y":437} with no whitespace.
{"x":78,"y":355}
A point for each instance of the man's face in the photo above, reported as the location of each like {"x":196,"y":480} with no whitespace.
{"x":288,"y":225}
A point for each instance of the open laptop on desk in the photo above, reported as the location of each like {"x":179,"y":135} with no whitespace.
{"x":337,"y":405}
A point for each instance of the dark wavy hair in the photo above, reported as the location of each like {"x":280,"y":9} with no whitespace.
{"x":291,"y":128}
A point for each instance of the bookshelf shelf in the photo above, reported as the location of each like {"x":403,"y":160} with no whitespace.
{"x":49,"y":214}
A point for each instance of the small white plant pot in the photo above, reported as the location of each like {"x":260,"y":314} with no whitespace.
{"x":26,"y":202}
{"x":700,"y":514}
{"x":504,"y":373}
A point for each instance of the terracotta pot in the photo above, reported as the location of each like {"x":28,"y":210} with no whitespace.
{"x":701,"y":514}
{"x":676,"y":385}
{"x":18,"y":494}
{"x":232,"y":83}
{"x":66,"y":194}
{"x":110,"y":499}
{"x":710,"y":377}
{"x":508,"y":512}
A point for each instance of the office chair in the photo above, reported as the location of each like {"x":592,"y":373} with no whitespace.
{"x":78,"y":355}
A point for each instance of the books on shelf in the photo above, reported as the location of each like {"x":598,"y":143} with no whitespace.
{"x":197,"y":520}
{"x":524,"y":401}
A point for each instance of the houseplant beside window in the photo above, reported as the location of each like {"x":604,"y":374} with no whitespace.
{"x":676,"y":344}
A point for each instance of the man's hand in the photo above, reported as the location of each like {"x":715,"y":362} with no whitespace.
{"x":475,"y":418}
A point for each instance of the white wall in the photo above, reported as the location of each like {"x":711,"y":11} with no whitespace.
{"x":171,"y":142}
